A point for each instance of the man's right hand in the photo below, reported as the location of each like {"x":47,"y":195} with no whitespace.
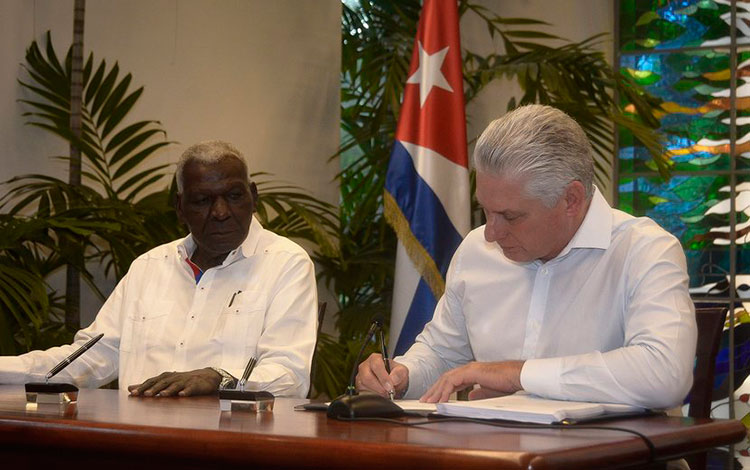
{"x":373,"y":377}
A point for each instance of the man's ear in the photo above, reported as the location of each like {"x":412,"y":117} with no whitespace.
{"x":254,"y":194}
{"x":575,"y":198}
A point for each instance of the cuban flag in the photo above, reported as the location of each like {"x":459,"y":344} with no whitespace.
{"x":427,"y":184}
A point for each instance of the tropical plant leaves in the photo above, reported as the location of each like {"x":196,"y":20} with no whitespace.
{"x":111,"y":154}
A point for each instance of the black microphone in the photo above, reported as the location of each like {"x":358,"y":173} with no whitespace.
{"x":354,"y":405}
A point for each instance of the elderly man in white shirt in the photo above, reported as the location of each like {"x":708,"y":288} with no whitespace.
{"x":204,"y":304}
{"x":558,"y":294}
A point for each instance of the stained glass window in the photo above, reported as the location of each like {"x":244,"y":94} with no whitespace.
{"x":684,"y":53}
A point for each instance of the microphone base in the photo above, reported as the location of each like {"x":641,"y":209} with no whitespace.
{"x":51,"y":393}
{"x":364,"y":405}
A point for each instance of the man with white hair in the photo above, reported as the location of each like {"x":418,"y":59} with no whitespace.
{"x":558,"y":294}
{"x":202,"y":305}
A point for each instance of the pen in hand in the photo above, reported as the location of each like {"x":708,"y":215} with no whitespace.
{"x":73,"y":356}
{"x":246,"y":375}
{"x":386,"y":361}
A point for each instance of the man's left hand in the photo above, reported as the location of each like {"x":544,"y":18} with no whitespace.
{"x":183,"y":384}
{"x":494,"y":379}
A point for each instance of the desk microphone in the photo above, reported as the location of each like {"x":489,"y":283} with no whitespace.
{"x":354,"y":405}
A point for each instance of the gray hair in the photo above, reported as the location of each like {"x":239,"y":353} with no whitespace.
{"x":540,"y":143}
{"x":207,"y":153}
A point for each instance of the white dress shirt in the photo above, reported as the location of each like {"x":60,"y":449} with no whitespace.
{"x":158,"y":320}
{"x":608,"y":320}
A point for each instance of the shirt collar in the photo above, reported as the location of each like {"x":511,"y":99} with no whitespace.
{"x":186,"y":247}
{"x":596,"y":229}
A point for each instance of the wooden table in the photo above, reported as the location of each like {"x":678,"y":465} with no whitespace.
{"x":108,"y":429}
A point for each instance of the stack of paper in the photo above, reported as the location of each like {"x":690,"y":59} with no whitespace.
{"x":528,"y":408}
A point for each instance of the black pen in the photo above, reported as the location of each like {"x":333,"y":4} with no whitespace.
{"x":384,"y":352}
{"x":73,"y":356}
{"x":231,"y":301}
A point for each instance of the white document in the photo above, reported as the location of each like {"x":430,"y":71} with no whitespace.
{"x":522,"y":406}
{"x":416,"y":405}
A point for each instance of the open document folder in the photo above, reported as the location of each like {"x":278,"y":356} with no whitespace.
{"x":522,"y":406}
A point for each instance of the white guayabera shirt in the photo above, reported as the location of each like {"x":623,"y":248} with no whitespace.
{"x":608,"y":320}
{"x":261,"y":301}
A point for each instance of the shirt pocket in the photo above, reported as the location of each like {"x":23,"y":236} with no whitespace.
{"x":144,"y":325}
{"x":242,"y":324}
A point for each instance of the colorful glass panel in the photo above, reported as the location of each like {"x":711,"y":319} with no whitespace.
{"x":695,"y":117}
{"x":675,"y":24}
{"x":682,"y":206}
{"x":679,"y":51}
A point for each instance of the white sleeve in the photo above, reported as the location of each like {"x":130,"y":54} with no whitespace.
{"x":287,"y":343}
{"x":654,"y":367}
{"x":443,"y":344}
{"x":96,"y":367}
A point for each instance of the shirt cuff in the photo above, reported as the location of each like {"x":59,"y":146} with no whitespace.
{"x":415,"y":389}
{"x":542,"y":376}
{"x":13,"y":370}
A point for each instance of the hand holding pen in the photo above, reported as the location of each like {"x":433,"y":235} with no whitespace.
{"x":386,"y":360}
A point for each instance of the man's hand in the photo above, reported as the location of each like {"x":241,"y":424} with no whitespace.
{"x":494,"y":379}
{"x":184,"y":384}
{"x":372,"y":376}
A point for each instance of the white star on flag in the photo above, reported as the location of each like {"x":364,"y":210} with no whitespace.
{"x":428,"y":74}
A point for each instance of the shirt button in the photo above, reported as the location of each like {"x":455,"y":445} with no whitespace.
{"x":192,"y":317}
{"x":181,"y":343}
{"x":544,"y":270}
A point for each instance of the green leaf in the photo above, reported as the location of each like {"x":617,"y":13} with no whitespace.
{"x":142,"y":186}
{"x":647,"y":18}
{"x":138,"y":177}
{"x":131,"y":162}
{"x":118,"y":113}
{"x":125,"y":134}
{"x":51,"y":56}
{"x":102,"y":94}
{"x":93,"y":86}
{"x":531,"y":34}
{"x":131,"y":144}
{"x":113,"y":100}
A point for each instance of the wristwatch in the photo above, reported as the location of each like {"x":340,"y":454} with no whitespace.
{"x":228,"y":381}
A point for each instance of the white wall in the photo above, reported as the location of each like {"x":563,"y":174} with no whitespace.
{"x":574,"y":20}
{"x":261,"y":74}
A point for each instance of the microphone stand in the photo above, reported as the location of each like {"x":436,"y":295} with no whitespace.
{"x":351,"y":390}
{"x":353,"y":405}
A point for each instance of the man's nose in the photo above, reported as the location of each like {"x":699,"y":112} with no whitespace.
{"x":220,"y":209}
{"x":495,"y":229}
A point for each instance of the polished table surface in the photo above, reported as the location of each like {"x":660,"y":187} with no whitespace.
{"x":109,"y":429}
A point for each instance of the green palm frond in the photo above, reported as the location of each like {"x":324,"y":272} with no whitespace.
{"x":575,"y":78}
{"x":292,"y":212}
{"x":113,"y":153}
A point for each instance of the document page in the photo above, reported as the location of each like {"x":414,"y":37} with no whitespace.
{"x":529,"y":408}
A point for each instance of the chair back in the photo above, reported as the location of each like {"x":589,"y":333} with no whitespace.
{"x":710,"y":322}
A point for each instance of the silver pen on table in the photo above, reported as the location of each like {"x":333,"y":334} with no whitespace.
{"x":246,"y":375}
